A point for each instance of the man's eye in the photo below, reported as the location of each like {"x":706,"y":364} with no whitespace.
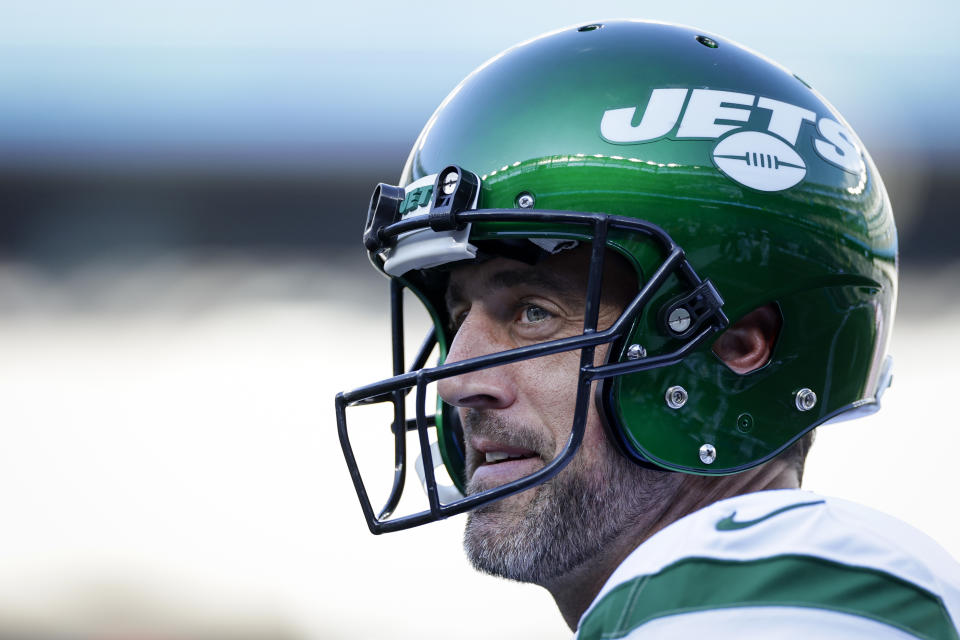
{"x":533,"y":314}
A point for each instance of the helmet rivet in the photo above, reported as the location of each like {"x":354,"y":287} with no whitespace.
{"x":450,"y":182}
{"x":708,"y":453}
{"x":525,"y":200}
{"x":590,"y":27}
{"x":806,"y":399}
{"x":679,"y":320}
{"x":744,"y":422}
{"x":707,"y":42}
{"x":676,"y":397}
{"x":635,"y":352}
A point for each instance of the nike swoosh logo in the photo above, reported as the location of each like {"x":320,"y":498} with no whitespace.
{"x":729,"y":524}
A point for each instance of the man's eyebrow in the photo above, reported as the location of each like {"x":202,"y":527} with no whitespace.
{"x":533,"y":277}
{"x":508,"y":278}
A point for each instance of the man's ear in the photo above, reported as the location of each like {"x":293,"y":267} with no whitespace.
{"x":747,"y":345}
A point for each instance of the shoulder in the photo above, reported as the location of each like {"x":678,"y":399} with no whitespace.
{"x":790,"y":562}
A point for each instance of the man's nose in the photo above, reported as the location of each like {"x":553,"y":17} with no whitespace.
{"x":490,"y":388}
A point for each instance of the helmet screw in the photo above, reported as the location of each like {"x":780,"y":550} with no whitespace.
{"x":676,"y":397}
{"x":679,"y":320}
{"x":635,"y":352}
{"x":525,"y":200}
{"x":450,"y":182}
{"x":806,"y":399}
{"x":708,"y":453}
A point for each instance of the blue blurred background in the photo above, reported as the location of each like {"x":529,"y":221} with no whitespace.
{"x":183,"y":290}
{"x":137,"y":126}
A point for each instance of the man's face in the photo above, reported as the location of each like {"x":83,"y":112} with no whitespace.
{"x":518,"y":417}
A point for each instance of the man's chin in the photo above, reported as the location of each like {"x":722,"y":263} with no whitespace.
{"x":515,"y":506}
{"x":489,"y":540}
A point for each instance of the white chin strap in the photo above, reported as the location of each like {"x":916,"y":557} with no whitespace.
{"x":446,"y":492}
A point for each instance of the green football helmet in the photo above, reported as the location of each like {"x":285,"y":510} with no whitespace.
{"x":726,"y":181}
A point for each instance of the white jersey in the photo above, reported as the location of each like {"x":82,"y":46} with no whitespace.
{"x":783,"y":564}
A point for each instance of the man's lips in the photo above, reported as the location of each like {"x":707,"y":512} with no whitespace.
{"x":488,"y":476}
{"x":483,"y":445}
{"x":499,"y":463}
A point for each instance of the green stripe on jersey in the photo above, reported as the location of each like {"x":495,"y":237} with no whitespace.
{"x":701,"y":584}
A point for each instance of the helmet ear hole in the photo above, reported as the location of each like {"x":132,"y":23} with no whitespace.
{"x":747,"y":345}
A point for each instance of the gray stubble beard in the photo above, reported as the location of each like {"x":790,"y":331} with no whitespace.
{"x":569,"y":520}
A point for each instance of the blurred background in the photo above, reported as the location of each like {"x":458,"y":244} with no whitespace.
{"x":182,"y":292}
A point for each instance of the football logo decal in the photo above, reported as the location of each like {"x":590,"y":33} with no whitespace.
{"x":759,"y":160}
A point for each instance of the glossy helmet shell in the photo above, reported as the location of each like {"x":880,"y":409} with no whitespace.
{"x":765,"y":187}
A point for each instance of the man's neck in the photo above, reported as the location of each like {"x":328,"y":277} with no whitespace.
{"x":574,"y":591}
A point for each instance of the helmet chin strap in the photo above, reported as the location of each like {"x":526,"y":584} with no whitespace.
{"x":446,"y":492}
